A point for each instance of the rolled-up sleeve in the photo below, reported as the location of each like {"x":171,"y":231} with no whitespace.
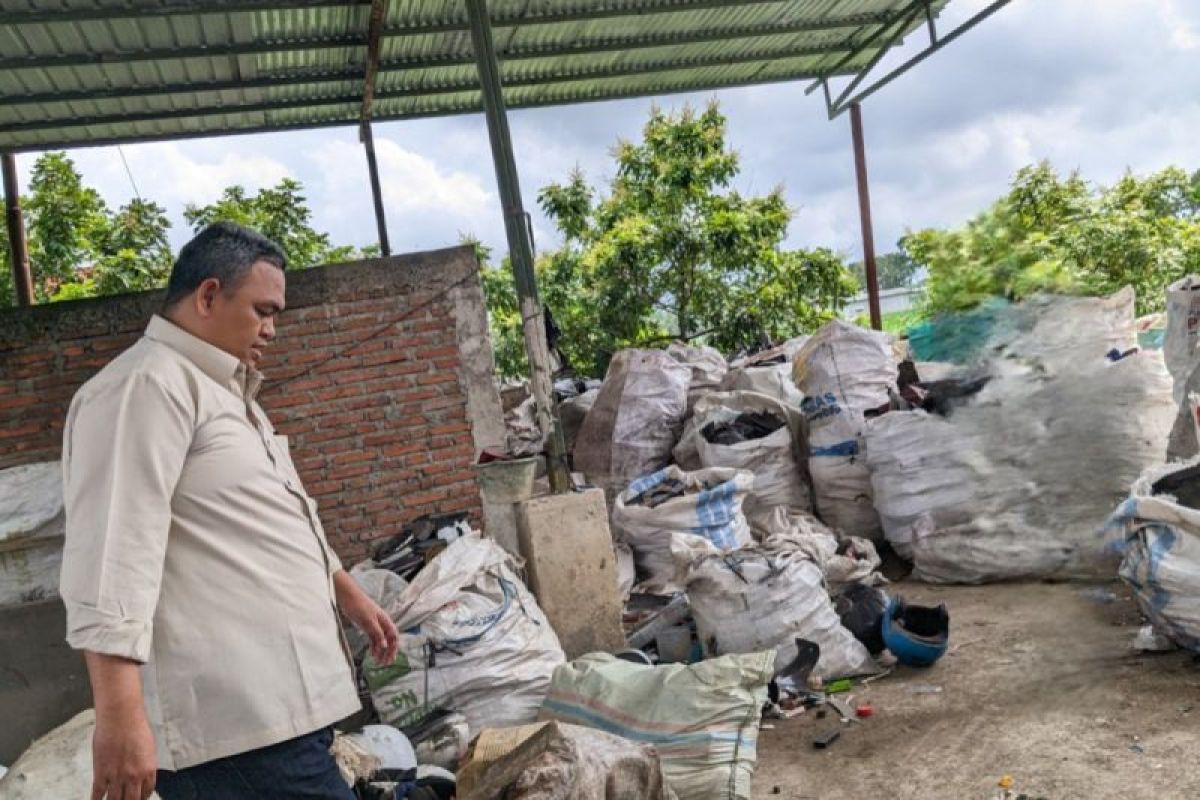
{"x":123,"y":451}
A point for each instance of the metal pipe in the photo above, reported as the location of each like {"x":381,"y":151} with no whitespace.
{"x":864,"y":214}
{"x":18,"y":247}
{"x":368,"y":140}
{"x":520,"y":243}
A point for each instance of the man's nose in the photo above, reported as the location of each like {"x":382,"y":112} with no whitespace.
{"x":268,"y":329}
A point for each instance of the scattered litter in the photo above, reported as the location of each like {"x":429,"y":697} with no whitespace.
{"x":388,"y":745}
{"x":1148,"y":640}
{"x":861,"y":609}
{"x":823,"y":740}
{"x":441,"y":740}
{"x":1098,"y":594}
{"x":702,"y":719}
{"x":865,"y":710}
{"x":924,"y":688}
{"x":916,"y":635}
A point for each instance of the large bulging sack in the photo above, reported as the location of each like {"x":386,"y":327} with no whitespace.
{"x":757,"y":433}
{"x":921,"y":475}
{"x":473,"y":640}
{"x":1051,"y":445}
{"x":842,"y":492}
{"x":1183,"y":333}
{"x":702,"y":719}
{"x":635,"y":420}
{"x":705,"y":505}
{"x":843,"y":371}
{"x":1158,"y":532}
{"x":764,"y":598}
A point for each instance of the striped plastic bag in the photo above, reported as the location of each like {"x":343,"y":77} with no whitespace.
{"x":706,"y":503}
{"x":702,"y":719}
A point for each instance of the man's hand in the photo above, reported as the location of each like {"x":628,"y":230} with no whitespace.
{"x":123,"y":760}
{"x":368,"y":617}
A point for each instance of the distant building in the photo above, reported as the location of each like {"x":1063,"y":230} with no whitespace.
{"x":890,"y":301}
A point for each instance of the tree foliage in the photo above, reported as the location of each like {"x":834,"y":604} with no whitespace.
{"x":1066,"y":235}
{"x":671,"y":251}
{"x":281,"y":214}
{"x":895,"y":270}
{"x":79,"y":247}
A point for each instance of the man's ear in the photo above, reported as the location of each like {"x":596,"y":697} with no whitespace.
{"x":206,"y":296}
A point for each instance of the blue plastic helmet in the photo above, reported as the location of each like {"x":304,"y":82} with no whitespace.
{"x":916,"y":635}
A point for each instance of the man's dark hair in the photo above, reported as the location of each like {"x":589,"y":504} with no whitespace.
{"x":225,"y":251}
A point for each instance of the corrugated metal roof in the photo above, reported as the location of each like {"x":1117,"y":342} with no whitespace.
{"x":79,"y":72}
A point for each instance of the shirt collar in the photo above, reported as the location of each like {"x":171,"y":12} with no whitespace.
{"x":222,"y":367}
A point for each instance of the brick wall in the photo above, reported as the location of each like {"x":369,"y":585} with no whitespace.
{"x":380,"y":375}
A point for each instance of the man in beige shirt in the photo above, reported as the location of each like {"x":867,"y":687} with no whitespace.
{"x":196,"y":575}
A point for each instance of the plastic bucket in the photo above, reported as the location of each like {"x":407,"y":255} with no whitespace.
{"x":507,"y":481}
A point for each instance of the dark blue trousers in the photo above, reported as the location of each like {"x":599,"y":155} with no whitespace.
{"x":300,"y":768}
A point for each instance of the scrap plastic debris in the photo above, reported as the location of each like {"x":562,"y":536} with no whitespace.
{"x":744,"y":427}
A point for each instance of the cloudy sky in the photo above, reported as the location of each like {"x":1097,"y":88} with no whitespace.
{"x":1098,"y":85}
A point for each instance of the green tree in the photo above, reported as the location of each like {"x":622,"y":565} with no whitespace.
{"x":65,"y":223}
{"x":135,"y":253}
{"x":895,"y":270}
{"x":281,"y":214}
{"x":1054,"y":234}
{"x":671,"y":251}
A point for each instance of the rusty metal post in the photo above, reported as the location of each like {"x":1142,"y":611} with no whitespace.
{"x":368,"y":140}
{"x":864,"y":214}
{"x":18,"y":247}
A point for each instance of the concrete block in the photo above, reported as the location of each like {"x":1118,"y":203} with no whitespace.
{"x":572,"y":569}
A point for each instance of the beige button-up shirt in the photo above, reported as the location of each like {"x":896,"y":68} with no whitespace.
{"x":192,"y":547}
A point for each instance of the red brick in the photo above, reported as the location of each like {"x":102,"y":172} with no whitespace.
{"x":435,"y":378}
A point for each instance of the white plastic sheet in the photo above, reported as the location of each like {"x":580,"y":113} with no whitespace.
{"x":709,"y":510}
{"x":472,"y":639}
{"x":702,"y":719}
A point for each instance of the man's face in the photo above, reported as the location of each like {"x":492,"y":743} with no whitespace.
{"x":243,"y":322}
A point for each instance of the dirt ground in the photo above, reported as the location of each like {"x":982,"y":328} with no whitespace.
{"x":1040,"y":684}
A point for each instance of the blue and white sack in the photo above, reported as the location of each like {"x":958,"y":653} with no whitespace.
{"x":709,"y":507}
{"x":1159,"y":538}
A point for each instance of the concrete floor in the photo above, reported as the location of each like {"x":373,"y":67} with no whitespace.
{"x":1040,"y":684}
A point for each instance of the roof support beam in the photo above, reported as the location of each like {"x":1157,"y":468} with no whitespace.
{"x":470,"y":83}
{"x":77,"y":121}
{"x":365,"y":134}
{"x":864,"y":216}
{"x":18,"y":247}
{"x":840,"y":105}
{"x":598,"y":45}
{"x":638,"y":8}
{"x":520,"y":242}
